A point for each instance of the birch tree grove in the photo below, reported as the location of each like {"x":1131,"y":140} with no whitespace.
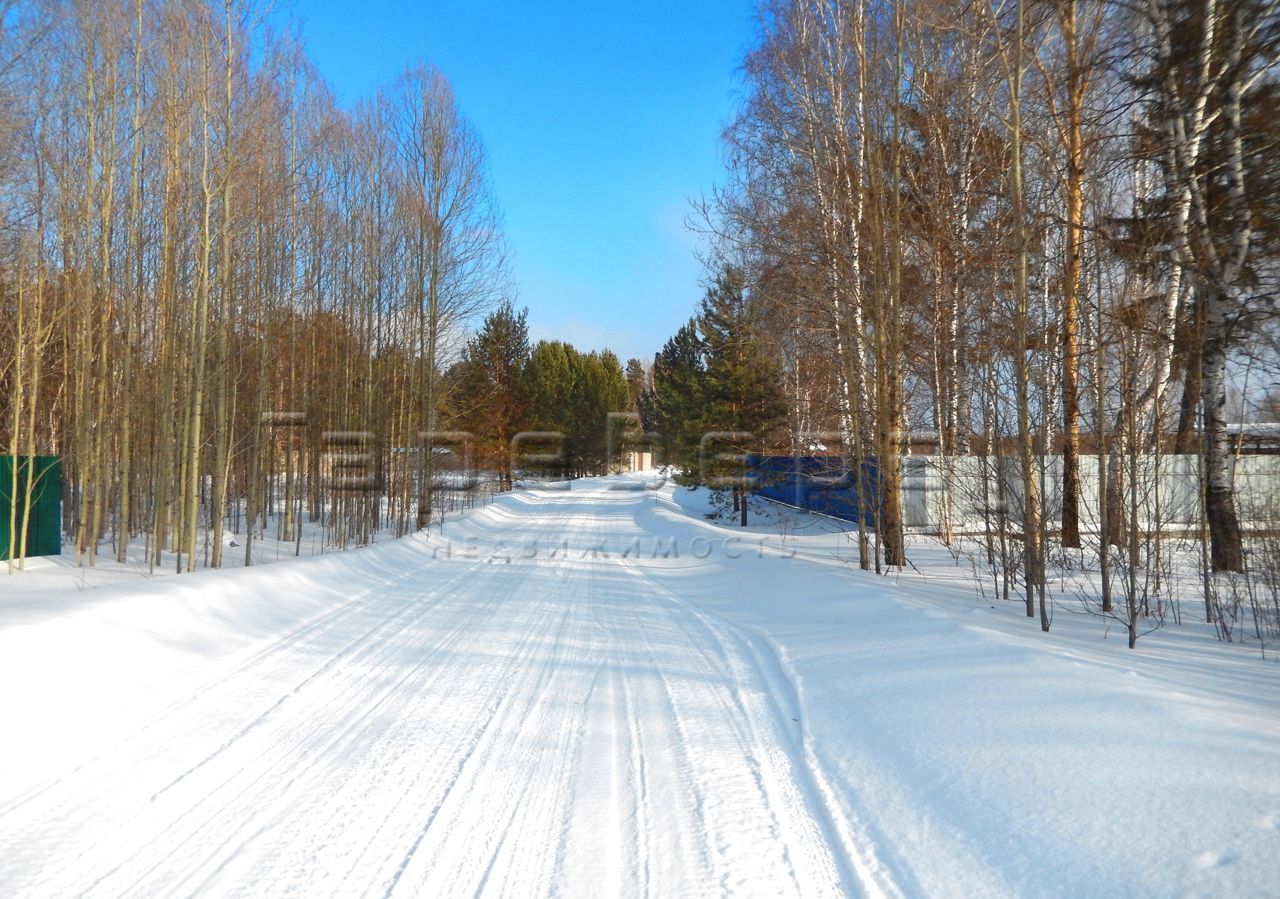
{"x":1212,"y":68}
{"x":219,"y":286}
{"x":1031,"y":231}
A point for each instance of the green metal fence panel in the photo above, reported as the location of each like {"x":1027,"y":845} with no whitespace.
{"x":44,"y":533}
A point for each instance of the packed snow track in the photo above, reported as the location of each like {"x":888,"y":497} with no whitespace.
{"x":600,"y":692}
{"x":536,"y":716}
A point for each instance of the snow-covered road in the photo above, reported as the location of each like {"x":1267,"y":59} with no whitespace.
{"x":557,"y":697}
{"x":561,"y":722}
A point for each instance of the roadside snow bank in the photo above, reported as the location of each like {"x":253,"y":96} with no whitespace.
{"x":83,"y":668}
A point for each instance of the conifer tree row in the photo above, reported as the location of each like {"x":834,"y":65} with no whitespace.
{"x":716,"y":394}
{"x":504,"y":390}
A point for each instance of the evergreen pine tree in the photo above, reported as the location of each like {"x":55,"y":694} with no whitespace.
{"x":743,"y":392}
{"x":636,"y":381}
{"x":672,"y":406}
{"x":494,"y":396}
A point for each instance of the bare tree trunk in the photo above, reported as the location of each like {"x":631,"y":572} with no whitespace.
{"x":226,"y":379}
{"x":1034,"y":562}
{"x":1076,"y":86}
{"x":195,"y":443}
{"x":1227,"y":546}
{"x":1100,"y":424}
{"x":16,"y":546}
{"x":889,"y":335}
{"x":135,"y":248}
{"x":1219,"y":71}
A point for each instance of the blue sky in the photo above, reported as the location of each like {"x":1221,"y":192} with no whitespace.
{"x":600,"y":119}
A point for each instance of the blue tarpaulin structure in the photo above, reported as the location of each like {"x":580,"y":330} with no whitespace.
{"x":824,"y":484}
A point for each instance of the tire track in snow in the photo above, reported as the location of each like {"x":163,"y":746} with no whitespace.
{"x":272,"y":650}
{"x":455,"y":634}
{"x":862,"y":869}
{"x":734,"y":786}
{"x":390,"y":754}
{"x":440,"y":865}
{"x":280,"y":753}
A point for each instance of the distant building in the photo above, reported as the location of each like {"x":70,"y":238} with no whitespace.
{"x":636,"y":460}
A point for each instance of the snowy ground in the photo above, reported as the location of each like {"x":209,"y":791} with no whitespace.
{"x":601,"y":692}
{"x":50,"y":580}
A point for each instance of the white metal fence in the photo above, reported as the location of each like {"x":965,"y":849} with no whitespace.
{"x":977,"y":489}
